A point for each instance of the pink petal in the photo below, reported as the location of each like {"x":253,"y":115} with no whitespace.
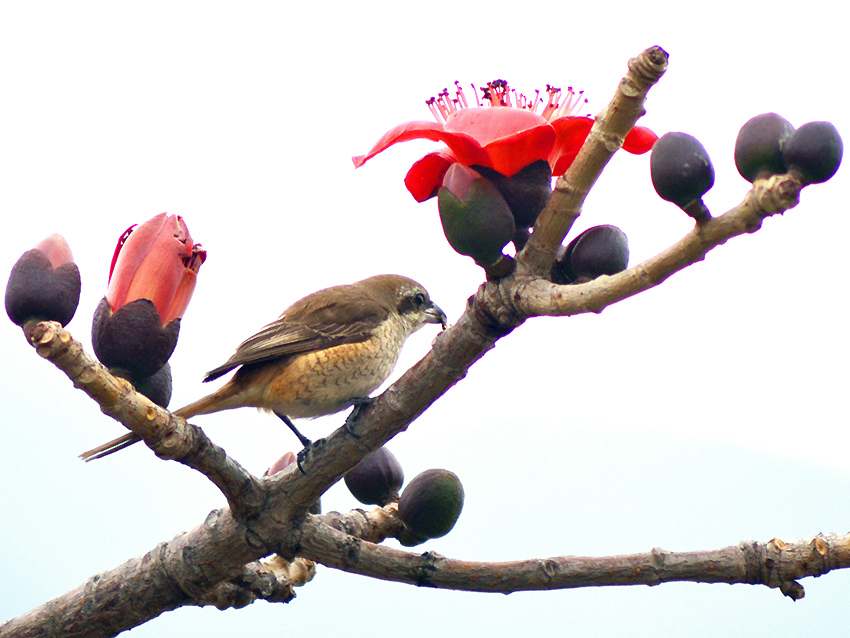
{"x":57,"y":250}
{"x":459,"y":179}
{"x":282,"y":463}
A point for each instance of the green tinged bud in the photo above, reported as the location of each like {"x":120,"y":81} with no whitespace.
{"x":430,"y":506}
{"x":477,"y":220}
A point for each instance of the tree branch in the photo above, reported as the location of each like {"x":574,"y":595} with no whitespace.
{"x":168,"y":436}
{"x":767,"y":197}
{"x":606,"y":137}
{"x":776,"y":564}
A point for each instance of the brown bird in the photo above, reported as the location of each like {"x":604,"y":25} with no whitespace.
{"x":325,"y":353}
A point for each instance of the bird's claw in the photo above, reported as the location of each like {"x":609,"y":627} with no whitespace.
{"x":356,"y":406}
{"x":302,"y":456}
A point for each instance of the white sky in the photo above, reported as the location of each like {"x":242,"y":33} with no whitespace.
{"x":708,"y":411}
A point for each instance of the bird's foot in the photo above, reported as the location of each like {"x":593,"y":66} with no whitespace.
{"x":301,"y":457}
{"x":357,"y":405}
{"x":304,"y":455}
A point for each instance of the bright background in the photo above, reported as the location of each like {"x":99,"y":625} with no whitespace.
{"x":710,"y":410}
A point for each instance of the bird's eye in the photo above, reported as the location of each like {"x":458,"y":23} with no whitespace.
{"x":419,"y":299}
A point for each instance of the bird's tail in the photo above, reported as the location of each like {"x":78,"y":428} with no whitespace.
{"x":210,"y":403}
{"x":112,"y":446}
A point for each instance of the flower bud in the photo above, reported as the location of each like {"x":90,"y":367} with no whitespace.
{"x":157,"y":261}
{"x":814,"y":150}
{"x":601,"y":250}
{"x":44,"y":284}
{"x":682,"y":172}
{"x":430,"y":506}
{"x":151,"y":281}
{"x":476,"y":219}
{"x":758,"y":148}
{"x":377,"y":479}
{"x":282,"y":463}
{"x":133,"y":338}
{"x":525,"y":192}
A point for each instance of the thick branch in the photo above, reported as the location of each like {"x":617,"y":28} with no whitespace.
{"x":179,"y":572}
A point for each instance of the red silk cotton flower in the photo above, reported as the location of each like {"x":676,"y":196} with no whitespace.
{"x":157,"y":261}
{"x":151,"y":280}
{"x":505,"y":136}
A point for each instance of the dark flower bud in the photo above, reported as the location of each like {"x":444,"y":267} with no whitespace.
{"x":156,"y":387}
{"x":377,"y":479}
{"x":758,"y":149}
{"x":814,"y":151}
{"x":133,"y":338}
{"x":430,"y":506}
{"x":682,"y":173}
{"x":601,"y":250}
{"x":44,"y":284}
{"x":526,"y":192}
{"x":476,"y":219}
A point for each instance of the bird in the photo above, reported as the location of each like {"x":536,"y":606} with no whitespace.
{"x":327,"y":352}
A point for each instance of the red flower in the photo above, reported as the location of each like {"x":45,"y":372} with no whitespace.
{"x":505,"y":137}
{"x":156,"y":261}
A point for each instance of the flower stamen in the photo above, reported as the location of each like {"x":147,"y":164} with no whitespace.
{"x":572,"y":103}
{"x":498,"y":93}
{"x":442,"y":106}
{"x":460,"y":96}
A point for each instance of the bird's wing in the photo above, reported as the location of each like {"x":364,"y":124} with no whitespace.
{"x":314,"y":323}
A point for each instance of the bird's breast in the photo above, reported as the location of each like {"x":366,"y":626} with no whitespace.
{"x":326,"y":381}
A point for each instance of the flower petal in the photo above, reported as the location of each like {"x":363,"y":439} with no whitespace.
{"x":570,"y":132}
{"x":511,"y":154}
{"x":512,"y":138}
{"x":57,"y":250}
{"x":466,"y":148}
{"x":639,"y":140}
{"x":425,"y":176}
{"x":486,"y":125}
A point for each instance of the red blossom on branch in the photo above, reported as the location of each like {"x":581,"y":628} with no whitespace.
{"x":158,"y":261}
{"x":506,"y":136}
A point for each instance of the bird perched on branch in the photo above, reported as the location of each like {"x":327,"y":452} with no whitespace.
{"x":325,"y":353}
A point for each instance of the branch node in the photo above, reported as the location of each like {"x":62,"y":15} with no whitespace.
{"x":426,"y":569}
{"x":776,"y":194}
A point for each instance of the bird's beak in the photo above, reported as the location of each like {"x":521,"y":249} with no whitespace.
{"x":434,"y":314}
